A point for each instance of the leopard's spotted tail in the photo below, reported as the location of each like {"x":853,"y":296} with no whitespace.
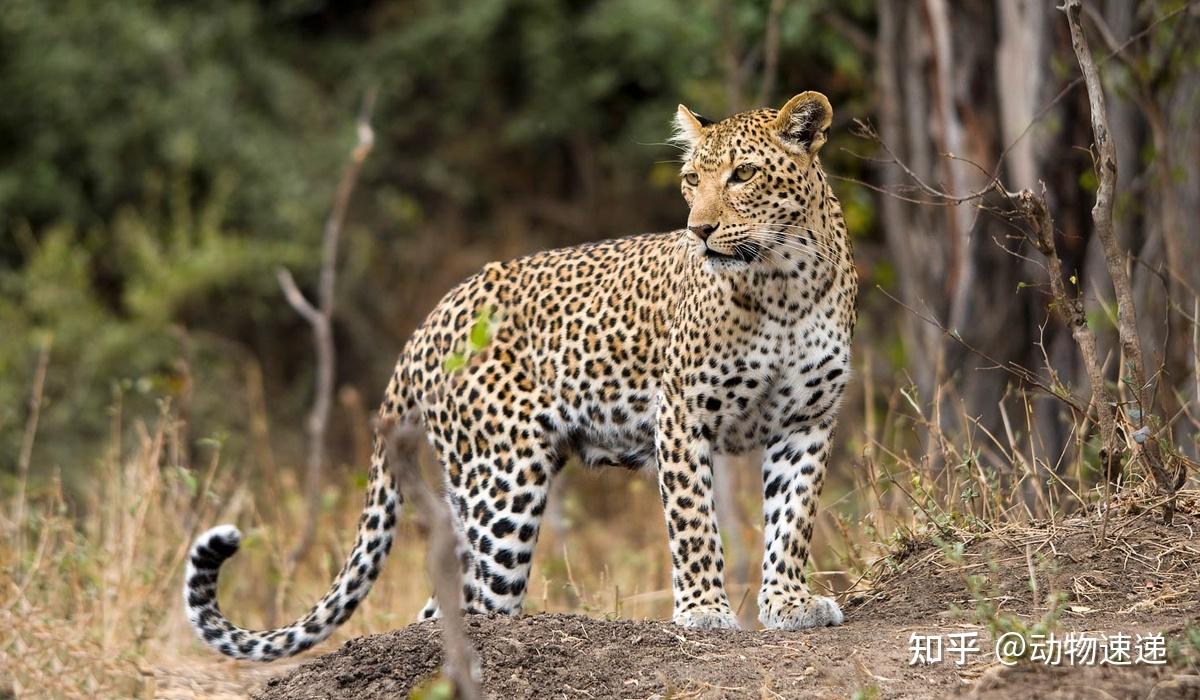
{"x":375,"y":533}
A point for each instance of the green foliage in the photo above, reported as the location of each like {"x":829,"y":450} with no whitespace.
{"x":100,"y":98}
{"x":483,"y":330}
{"x":166,"y":269}
{"x":180,"y":273}
{"x":1185,"y":652}
{"x":1088,"y":181}
{"x":871,"y":692}
{"x":158,"y":162}
{"x":984,"y":593}
{"x":438,"y":687}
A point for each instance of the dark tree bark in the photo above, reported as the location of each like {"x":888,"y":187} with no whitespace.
{"x":980,"y":93}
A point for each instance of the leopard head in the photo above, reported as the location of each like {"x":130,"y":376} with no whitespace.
{"x":753,"y":181}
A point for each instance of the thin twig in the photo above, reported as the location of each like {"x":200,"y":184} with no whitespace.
{"x":295,"y":297}
{"x":459,"y":663}
{"x":27,"y":441}
{"x":1013,"y":369}
{"x":1114,"y":257}
{"x":1071,"y":307}
{"x":866,"y":131}
{"x":943,"y":198}
{"x":320,"y":317}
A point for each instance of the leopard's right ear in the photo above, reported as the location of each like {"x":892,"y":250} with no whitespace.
{"x":689,"y":127}
{"x":803,"y":123}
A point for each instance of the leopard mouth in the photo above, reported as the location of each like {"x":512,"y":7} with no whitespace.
{"x":742,"y":252}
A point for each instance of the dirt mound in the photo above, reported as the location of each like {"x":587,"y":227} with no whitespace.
{"x":575,"y":656}
{"x":1133,"y":563}
{"x":1141,"y":577}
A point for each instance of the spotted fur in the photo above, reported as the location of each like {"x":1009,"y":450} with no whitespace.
{"x":656,"y":351}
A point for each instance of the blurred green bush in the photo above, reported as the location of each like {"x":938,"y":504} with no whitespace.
{"x":159,"y":160}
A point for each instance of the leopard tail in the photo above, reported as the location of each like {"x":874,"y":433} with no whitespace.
{"x":376,"y":529}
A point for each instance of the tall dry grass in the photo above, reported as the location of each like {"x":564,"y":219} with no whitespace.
{"x":90,"y":587}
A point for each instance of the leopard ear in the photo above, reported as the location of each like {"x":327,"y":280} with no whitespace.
{"x":689,"y":127}
{"x":803,"y":122}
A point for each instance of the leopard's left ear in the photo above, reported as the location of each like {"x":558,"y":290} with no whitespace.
{"x":803,"y":122}
{"x":689,"y":126}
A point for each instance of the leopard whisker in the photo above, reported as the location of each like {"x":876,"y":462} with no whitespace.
{"x":804,"y":250}
{"x":789,"y":236}
{"x":774,"y":236}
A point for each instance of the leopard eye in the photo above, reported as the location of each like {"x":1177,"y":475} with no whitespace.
{"x":692,"y":179}
{"x":742,"y":173}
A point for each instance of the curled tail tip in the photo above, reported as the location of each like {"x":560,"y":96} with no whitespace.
{"x":214,"y":546}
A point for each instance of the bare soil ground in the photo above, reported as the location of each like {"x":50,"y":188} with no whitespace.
{"x":1141,"y":577}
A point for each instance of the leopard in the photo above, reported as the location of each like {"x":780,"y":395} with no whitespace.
{"x":657,"y":353}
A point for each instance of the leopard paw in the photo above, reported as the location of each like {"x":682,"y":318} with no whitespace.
{"x":815,"y":611}
{"x":707,"y":617}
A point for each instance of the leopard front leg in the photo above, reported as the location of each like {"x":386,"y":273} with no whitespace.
{"x":685,"y":481}
{"x":793,"y":471}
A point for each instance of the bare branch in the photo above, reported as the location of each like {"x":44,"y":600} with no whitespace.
{"x":321,"y":320}
{"x":295,"y":297}
{"x":341,"y":201}
{"x":459,"y":662}
{"x":1038,"y":215}
{"x":866,"y":131}
{"x":1115,"y":257}
{"x":1017,"y":371}
{"x":1145,"y":93}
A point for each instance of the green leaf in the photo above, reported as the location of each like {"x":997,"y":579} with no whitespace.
{"x":481,"y":331}
{"x":437,"y":688}
{"x":454,"y":363}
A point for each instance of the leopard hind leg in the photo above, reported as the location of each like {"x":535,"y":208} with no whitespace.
{"x":497,"y":492}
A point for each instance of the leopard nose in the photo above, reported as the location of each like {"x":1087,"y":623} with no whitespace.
{"x":703,"y":231}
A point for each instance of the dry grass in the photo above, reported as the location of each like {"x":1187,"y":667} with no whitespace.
{"x":89,"y":591}
{"x":89,"y":588}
